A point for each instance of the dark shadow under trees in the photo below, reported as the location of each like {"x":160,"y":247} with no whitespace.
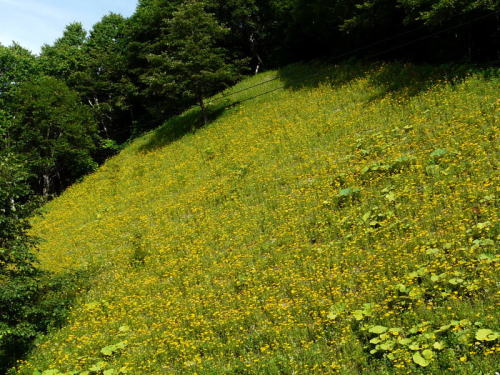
{"x":395,"y":78}
{"x":50,"y":299}
{"x":178,"y":126}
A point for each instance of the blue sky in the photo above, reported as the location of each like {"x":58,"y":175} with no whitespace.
{"x":33,"y":23}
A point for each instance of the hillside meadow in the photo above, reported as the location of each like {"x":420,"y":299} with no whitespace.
{"x":336,"y":219}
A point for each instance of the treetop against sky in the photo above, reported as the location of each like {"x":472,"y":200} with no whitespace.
{"x":33,"y":23}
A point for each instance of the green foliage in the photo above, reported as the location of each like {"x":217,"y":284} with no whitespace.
{"x":423,"y":342}
{"x":15,"y":208}
{"x":54,"y":131}
{"x":112,"y":349}
{"x":440,"y":11}
{"x":18,"y":274}
{"x":193,"y":64}
{"x":30,"y":301}
{"x":485,"y":334}
{"x":392,"y":167}
{"x":17,"y":65}
{"x":101,"y":367}
{"x":103,"y":80}
{"x":66,"y":56}
{"x":435,"y":12}
{"x":348,"y":195}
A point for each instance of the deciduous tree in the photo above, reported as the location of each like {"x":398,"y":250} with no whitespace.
{"x":55,"y":132}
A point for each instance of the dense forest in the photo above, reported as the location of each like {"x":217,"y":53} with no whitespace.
{"x":65,"y":111}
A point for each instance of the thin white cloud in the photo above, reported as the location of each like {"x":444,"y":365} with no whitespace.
{"x":37,"y":8}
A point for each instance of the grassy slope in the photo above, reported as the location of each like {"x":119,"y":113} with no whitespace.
{"x":228,"y":251}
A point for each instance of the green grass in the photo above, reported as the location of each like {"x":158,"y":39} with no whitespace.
{"x":244,"y":247}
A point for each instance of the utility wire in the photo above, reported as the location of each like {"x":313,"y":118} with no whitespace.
{"x":357,"y":50}
{"x":344,"y":54}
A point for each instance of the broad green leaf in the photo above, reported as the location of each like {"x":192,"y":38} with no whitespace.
{"x":368,"y":306}
{"x":444,"y":328}
{"x":336,"y":310}
{"x":456,"y":281}
{"x":358,"y":315}
{"x":418,"y":273}
{"x":433,"y":251}
{"x":419,"y":360}
{"x":108,"y":350}
{"x":405,"y":341}
{"x":485,"y":334}
{"x":428,"y":354}
{"x":438,"y":345}
{"x":465,"y":337}
{"x":112,"y":349}
{"x":402,"y":288}
{"x":387,"y":346}
{"x":486,"y":257}
{"x":378,"y":329}
{"x":429,"y":336}
{"x":99,"y":366}
{"x":391,"y":197}
{"x":395,"y":330}
{"x":414,"y":346}
{"x":348,"y":192}
{"x":484,"y":225}
{"x":440,"y":152}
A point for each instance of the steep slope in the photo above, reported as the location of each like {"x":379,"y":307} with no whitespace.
{"x":331,"y":226}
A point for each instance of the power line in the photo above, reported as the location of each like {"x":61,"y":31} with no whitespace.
{"x":357,"y":50}
{"x":344,"y":54}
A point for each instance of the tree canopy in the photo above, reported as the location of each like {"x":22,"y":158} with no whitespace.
{"x":54,"y":131}
{"x":191,"y":64}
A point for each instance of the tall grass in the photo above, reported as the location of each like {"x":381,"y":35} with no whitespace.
{"x":278,"y":238}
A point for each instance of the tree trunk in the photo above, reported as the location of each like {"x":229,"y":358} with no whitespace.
{"x":203,"y":109}
{"x":46,"y":185}
{"x":256,"y":55}
{"x":259,"y":64}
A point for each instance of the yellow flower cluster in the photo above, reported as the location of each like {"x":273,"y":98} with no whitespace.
{"x":222,"y":252}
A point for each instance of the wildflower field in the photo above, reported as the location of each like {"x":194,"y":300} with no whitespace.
{"x":346,"y":223}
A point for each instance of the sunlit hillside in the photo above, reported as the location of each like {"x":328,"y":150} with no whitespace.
{"x":345,"y":223}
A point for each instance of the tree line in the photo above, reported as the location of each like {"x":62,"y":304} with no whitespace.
{"x":66,"y":110}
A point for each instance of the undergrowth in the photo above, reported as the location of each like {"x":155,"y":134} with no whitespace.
{"x":345,"y":224}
